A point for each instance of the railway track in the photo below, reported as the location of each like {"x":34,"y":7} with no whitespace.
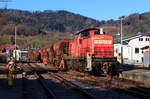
{"x":136,"y":91}
{"x":124,"y":86}
{"x":72,"y":85}
{"x":30,"y":70}
{"x":31,"y":87}
{"x":87,"y":86}
{"x":57,"y":91}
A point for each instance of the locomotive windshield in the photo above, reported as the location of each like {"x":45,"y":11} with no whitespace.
{"x":96,"y":33}
{"x":85,"y":34}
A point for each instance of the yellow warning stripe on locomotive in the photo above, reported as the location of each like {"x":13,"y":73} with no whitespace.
{"x":102,"y":41}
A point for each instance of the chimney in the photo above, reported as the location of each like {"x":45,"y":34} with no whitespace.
{"x":101,"y":30}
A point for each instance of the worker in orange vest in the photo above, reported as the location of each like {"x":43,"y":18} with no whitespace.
{"x":62,"y":63}
{"x":45,"y":61}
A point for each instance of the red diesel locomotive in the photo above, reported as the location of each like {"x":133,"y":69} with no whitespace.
{"x":90,"y":50}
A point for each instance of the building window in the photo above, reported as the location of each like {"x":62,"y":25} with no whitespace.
{"x":147,"y":39}
{"x":140,"y":39}
{"x":136,"y":50}
{"x":116,"y":51}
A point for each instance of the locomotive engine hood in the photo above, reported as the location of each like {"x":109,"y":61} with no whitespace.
{"x":102,"y":45}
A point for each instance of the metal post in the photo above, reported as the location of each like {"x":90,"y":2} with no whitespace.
{"x":121,"y":41}
{"x":121,"y":18}
{"x":15,"y":41}
{"x":149,"y":42}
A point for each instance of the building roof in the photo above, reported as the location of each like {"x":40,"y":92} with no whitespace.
{"x":145,"y":47}
{"x":6,"y":46}
{"x":125,"y":38}
{"x":146,"y":33}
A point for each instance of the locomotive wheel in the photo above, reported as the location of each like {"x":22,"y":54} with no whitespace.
{"x":56,"y":62}
{"x":68,"y":64}
{"x":95,"y":69}
{"x":100,"y":68}
{"x":114,"y":69}
{"x":76,"y":64}
{"x":105,"y":67}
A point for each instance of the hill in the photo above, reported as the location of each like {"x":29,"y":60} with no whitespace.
{"x":33,"y":23}
{"x":132,"y":24}
{"x":48,"y":21}
{"x":48,"y":26}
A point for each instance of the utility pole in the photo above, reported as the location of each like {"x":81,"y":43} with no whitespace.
{"x":15,"y":36}
{"x":121,"y":18}
{"x":149,"y":42}
{"x":15,"y":40}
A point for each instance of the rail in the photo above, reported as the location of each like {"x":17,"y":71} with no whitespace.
{"x":72,"y":86}
{"x":48,"y":91}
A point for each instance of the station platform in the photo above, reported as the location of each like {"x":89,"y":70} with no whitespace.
{"x":139,"y":75}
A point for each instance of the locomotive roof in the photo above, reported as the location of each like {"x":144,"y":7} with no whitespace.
{"x":87,"y":29}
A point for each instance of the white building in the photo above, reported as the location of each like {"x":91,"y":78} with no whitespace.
{"x":132,"y":52}
{"x":19,"y":55}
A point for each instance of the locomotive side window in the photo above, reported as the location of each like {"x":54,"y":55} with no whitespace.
{"x":80,"y":41}
{"x":96,"y":33}
{"x":85,"y":34}
{"x":65,"y":46}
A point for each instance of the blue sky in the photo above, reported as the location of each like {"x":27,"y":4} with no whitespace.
{"x":96,"y":9}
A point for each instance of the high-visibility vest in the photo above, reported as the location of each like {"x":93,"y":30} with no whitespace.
{"x":11,"y":62}
{"x":45,"y":61}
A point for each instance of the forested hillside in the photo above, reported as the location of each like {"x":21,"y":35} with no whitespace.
{"x":48,"y":26}
{"x":33,"y":23}
{"x":47,"y":21}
